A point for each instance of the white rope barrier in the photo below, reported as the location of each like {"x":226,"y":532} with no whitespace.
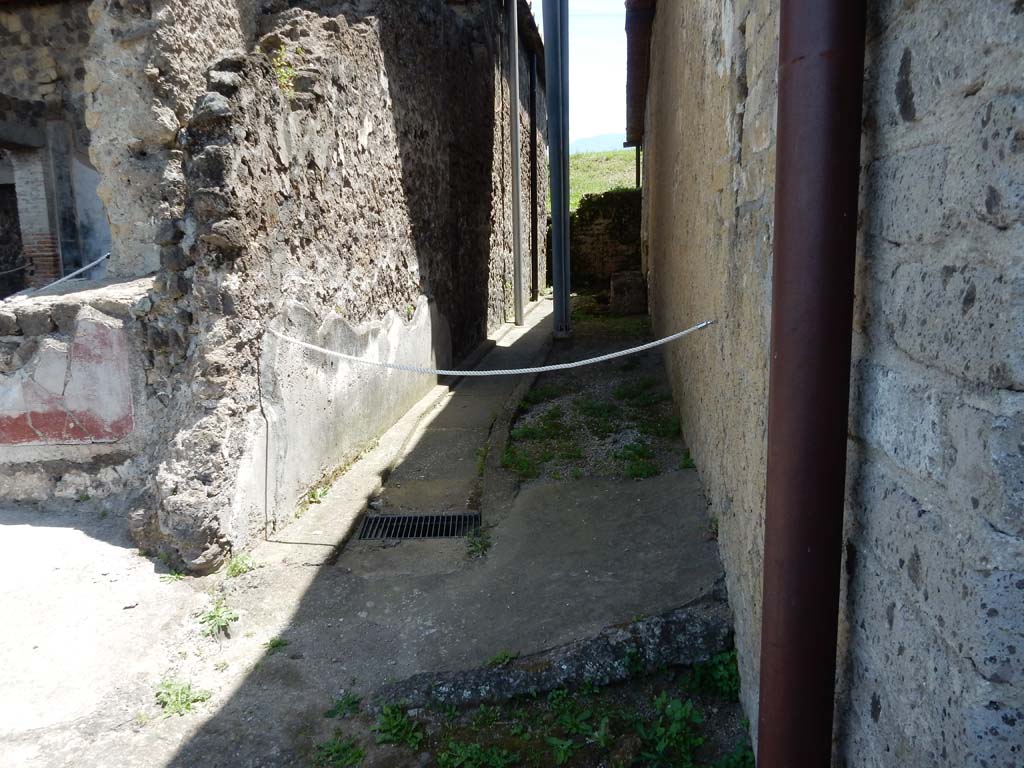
{"x":68,"y":276}
{"x":500,"y":372}
{"x":16,"y":269}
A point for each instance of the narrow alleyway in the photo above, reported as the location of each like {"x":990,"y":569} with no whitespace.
{"x":592,"y":517}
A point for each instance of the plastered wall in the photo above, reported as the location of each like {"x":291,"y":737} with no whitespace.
{"x":930,"y":671}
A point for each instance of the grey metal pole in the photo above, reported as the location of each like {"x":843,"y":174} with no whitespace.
{"x":512,"y":7}
{"x":563,"y":62}
{"x":559,"y":190}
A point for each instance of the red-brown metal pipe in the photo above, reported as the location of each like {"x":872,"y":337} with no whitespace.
{"x":821,"y":72}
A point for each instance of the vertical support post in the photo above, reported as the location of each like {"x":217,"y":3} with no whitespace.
{"x":638,"y":166}
{"x":565,"y":322}
{"x":556,"y":49}
{"x":534,"y":216}
{"x":821,"y":74}
{"x":512,"y":8}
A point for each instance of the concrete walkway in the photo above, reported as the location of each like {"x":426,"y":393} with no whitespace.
{"x":79,"y":668}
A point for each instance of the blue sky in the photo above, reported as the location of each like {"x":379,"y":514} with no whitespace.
{"x":597,"y":66}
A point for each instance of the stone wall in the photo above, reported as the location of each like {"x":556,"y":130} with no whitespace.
{"x":335,"y":184}
{"x":931,"y":631}
{"x":604,"y":236}
{"x":44,"y":48}
{"x":336,"y":171}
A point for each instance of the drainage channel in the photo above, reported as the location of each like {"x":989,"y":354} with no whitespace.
{"x":395,"y":527}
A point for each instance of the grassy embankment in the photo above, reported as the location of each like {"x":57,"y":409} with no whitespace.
{"x":596,"y":172}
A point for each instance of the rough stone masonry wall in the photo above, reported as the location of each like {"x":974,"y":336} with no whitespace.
{"x":335,"y":185}
{"x":604,"y":236}
{"x":930,"y":669}
{"x":144,"y":68}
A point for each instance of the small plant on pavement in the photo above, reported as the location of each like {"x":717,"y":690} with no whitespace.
{"x":338,"y":752}
{"x":478,"y":543}
{"x":177,"y":698}
{"x":687,"y":461}
{"x":239,"y":564}
{"x":393,"y":726}
{"x":218,"y":619}
{"x":344,"y":706}
{"x":275,"y":644}
{"x":316,"y":495}
{"x":170,"y":578}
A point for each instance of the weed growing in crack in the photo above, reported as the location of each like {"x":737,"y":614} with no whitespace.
{"x":393,"y":726}
{"x":687,"y":460}
{"x":481,"y":459}
{"x":170,"y":578}
{"x":177,"y":698}
{"x":238,"y":565}
{"x":478,"y":543}
{"x":344,"y":706}
{"x":284,"y":72}
{"x":317,"y":495}
{"x":338,"y":752}
{"x":502,"y":659}
{"x":218,"y":619}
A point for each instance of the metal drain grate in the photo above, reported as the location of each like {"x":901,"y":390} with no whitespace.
{"x":419,"y":526}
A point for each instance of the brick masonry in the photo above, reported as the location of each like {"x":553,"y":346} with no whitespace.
{"x":39,"y":241}
{"x":931,"y":630}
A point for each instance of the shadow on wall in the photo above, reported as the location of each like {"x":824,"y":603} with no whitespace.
{"x":448,"y":190}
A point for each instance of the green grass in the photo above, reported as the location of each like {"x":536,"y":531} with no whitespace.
{"x":177,"y":698}
{"x":520,"y":462}
{"x":338,"y":752}
{"x":459,"y":754}
{"x":596,"y":172}
{"x":543,"y":392}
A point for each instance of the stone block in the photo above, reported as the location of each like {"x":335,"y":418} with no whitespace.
{"x":902,"y":195}
{"x":902,"y":415}
{"x":952,"y":310}
{"x":628,"y":293}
